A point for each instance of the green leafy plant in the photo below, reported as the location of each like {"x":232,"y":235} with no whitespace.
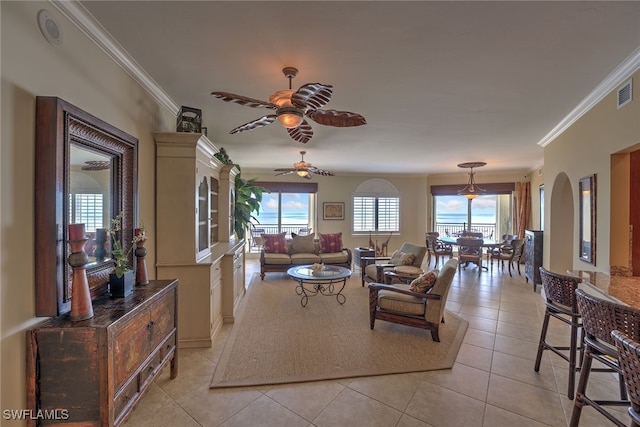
{"x":247,"y":201}
{"x":117,"y":251}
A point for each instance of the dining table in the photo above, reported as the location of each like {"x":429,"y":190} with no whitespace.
{"x":486,"y":243}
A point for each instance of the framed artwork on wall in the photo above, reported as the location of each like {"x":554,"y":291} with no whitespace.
{"x":333,"y":210}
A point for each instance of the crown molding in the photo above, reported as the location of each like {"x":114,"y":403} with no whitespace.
{"x":622,"y":72}
{"x":81,"y":18}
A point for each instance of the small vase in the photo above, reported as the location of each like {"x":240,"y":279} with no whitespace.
{"x":121,"y":287}
{"x":141,"y":266}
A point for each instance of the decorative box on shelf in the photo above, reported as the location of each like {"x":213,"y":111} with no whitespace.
{"x":189,"y":120}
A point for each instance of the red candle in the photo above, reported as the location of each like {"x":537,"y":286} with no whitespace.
{"x":76,"y":232}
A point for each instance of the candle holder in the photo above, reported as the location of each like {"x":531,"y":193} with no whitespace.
{"x":81,"y":306}
{"x":140,"y":253}
{"x":101,"y":238}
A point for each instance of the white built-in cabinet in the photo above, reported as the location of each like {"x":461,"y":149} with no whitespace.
{"x":195,"y":242}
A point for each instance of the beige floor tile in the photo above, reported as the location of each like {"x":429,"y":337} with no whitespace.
{"x":527,"y":333}
{"x":529,"y":401}
{"x":408,"y":421}
{"x":498,"y":417}
{"x":463,"y":379}
{"x":520,"y":348}
{"x":392,"y":390}
{"x":351,"y":408}
{"x":482,"y":323}
{"x":521,"y":369}
{"x":306,"y":399}
{"x":211,"y":407}
{"x":480,"y":338}
{"x":479,"y":311}
{"x":265,"y":412}
{"x":443,"y":407}
{"x":476,"y":357}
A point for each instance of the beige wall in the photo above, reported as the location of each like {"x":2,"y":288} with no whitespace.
{"x":586,"y":148}
{"x":80,"y":73}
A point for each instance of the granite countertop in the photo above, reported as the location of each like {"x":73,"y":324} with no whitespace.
{"x":623,"y":289}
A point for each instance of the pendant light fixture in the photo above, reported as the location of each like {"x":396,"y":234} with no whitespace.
{"x":471,"y":190}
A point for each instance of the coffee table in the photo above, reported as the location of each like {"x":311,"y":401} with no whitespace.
{"x":324,"y":282}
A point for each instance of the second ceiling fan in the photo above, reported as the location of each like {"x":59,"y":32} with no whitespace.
{"x":303,"y":169}
{"x":291,"y":106}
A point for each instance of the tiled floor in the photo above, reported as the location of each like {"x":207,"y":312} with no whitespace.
{"x":492,"y":383}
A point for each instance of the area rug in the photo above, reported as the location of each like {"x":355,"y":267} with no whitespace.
{"x":275,"y":340}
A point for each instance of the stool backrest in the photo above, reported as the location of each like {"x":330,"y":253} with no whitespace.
{"x":560,"y":288}
{"x":601,"y":317}
{"x":629,"y":362}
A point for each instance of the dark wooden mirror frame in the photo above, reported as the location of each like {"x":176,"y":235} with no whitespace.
{"x":587,"y":196}
{"x":58,"y":124}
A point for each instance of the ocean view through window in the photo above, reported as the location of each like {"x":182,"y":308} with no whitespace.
{"x":285,"y":212}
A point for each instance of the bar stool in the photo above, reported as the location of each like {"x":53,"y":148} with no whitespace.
{"x":599,"y":318}
{"x":629,"y":361}
{"x":559,"y":291}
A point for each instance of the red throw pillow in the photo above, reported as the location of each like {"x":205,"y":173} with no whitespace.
{"x":331,"y":242}
{"x":275,"y":243}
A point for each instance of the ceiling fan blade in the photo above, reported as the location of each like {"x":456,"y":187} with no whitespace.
{"x":317,"y":171}
{"x":243,"y":100}
{"x":284,"y":171}
{"x":312,"y":96}
{"x":336,"y":118}
{"x":302,"y":133}
{"x":258,"y":123}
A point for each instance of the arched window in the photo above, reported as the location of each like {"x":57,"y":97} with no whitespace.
{"x":376,"y":207}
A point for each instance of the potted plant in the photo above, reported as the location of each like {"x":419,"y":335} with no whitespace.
{"x":247,"y":201}
{"x":121,"y":281}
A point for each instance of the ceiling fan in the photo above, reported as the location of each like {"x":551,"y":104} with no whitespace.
{"x":303,"y":169}
{"x":291,"y":106}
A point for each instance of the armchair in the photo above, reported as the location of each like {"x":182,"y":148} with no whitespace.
{"x":470,"y":250}
{"x":373,"y":268}
{"x":398,"y":304}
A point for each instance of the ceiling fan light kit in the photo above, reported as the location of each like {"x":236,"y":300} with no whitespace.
{"x":292,"y":106}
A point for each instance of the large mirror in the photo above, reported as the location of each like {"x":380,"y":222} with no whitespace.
{"x":86,"y":172}
{"x":587,"y":243}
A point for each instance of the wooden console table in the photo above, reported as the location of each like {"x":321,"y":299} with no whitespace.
{"x":93,"y":372}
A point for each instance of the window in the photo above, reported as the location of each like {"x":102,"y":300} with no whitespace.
{"x":490,"y":213}
{"x":376,"y":207}
{"x":87,"y":210}
{"x":376,"y":214}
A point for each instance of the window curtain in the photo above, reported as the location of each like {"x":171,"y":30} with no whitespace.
{"x":522,"y":208}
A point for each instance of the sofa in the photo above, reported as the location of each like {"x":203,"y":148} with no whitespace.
{"x":278,"y":253}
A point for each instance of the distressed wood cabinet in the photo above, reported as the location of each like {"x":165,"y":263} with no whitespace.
{"x":98,"y":369}
{"x":533,"y":256}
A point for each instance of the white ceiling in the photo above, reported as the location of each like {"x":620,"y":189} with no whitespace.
{"x":439,"y":83}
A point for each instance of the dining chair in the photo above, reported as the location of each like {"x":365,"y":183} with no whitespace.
{"x":436,"y":247}
{"x":470,"y":251}
{"x":629,"y":361}
{"x":599,"y":319}
{"x":561,"y":304}
{"x":511,"y":253}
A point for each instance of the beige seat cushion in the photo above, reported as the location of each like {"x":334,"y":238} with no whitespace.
{"x":275,"y":258}
{"x":309,"y":258}
{"x":400,"y":303}
{"x":334,"y":257}
{"x":407,"y":270}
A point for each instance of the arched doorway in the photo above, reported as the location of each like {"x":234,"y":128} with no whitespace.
{"x":561,"y":230}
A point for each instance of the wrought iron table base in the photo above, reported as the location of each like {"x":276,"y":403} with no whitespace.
{"x":314,"y":288}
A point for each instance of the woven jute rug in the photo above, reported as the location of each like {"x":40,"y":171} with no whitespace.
{"x":275,"y":340}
